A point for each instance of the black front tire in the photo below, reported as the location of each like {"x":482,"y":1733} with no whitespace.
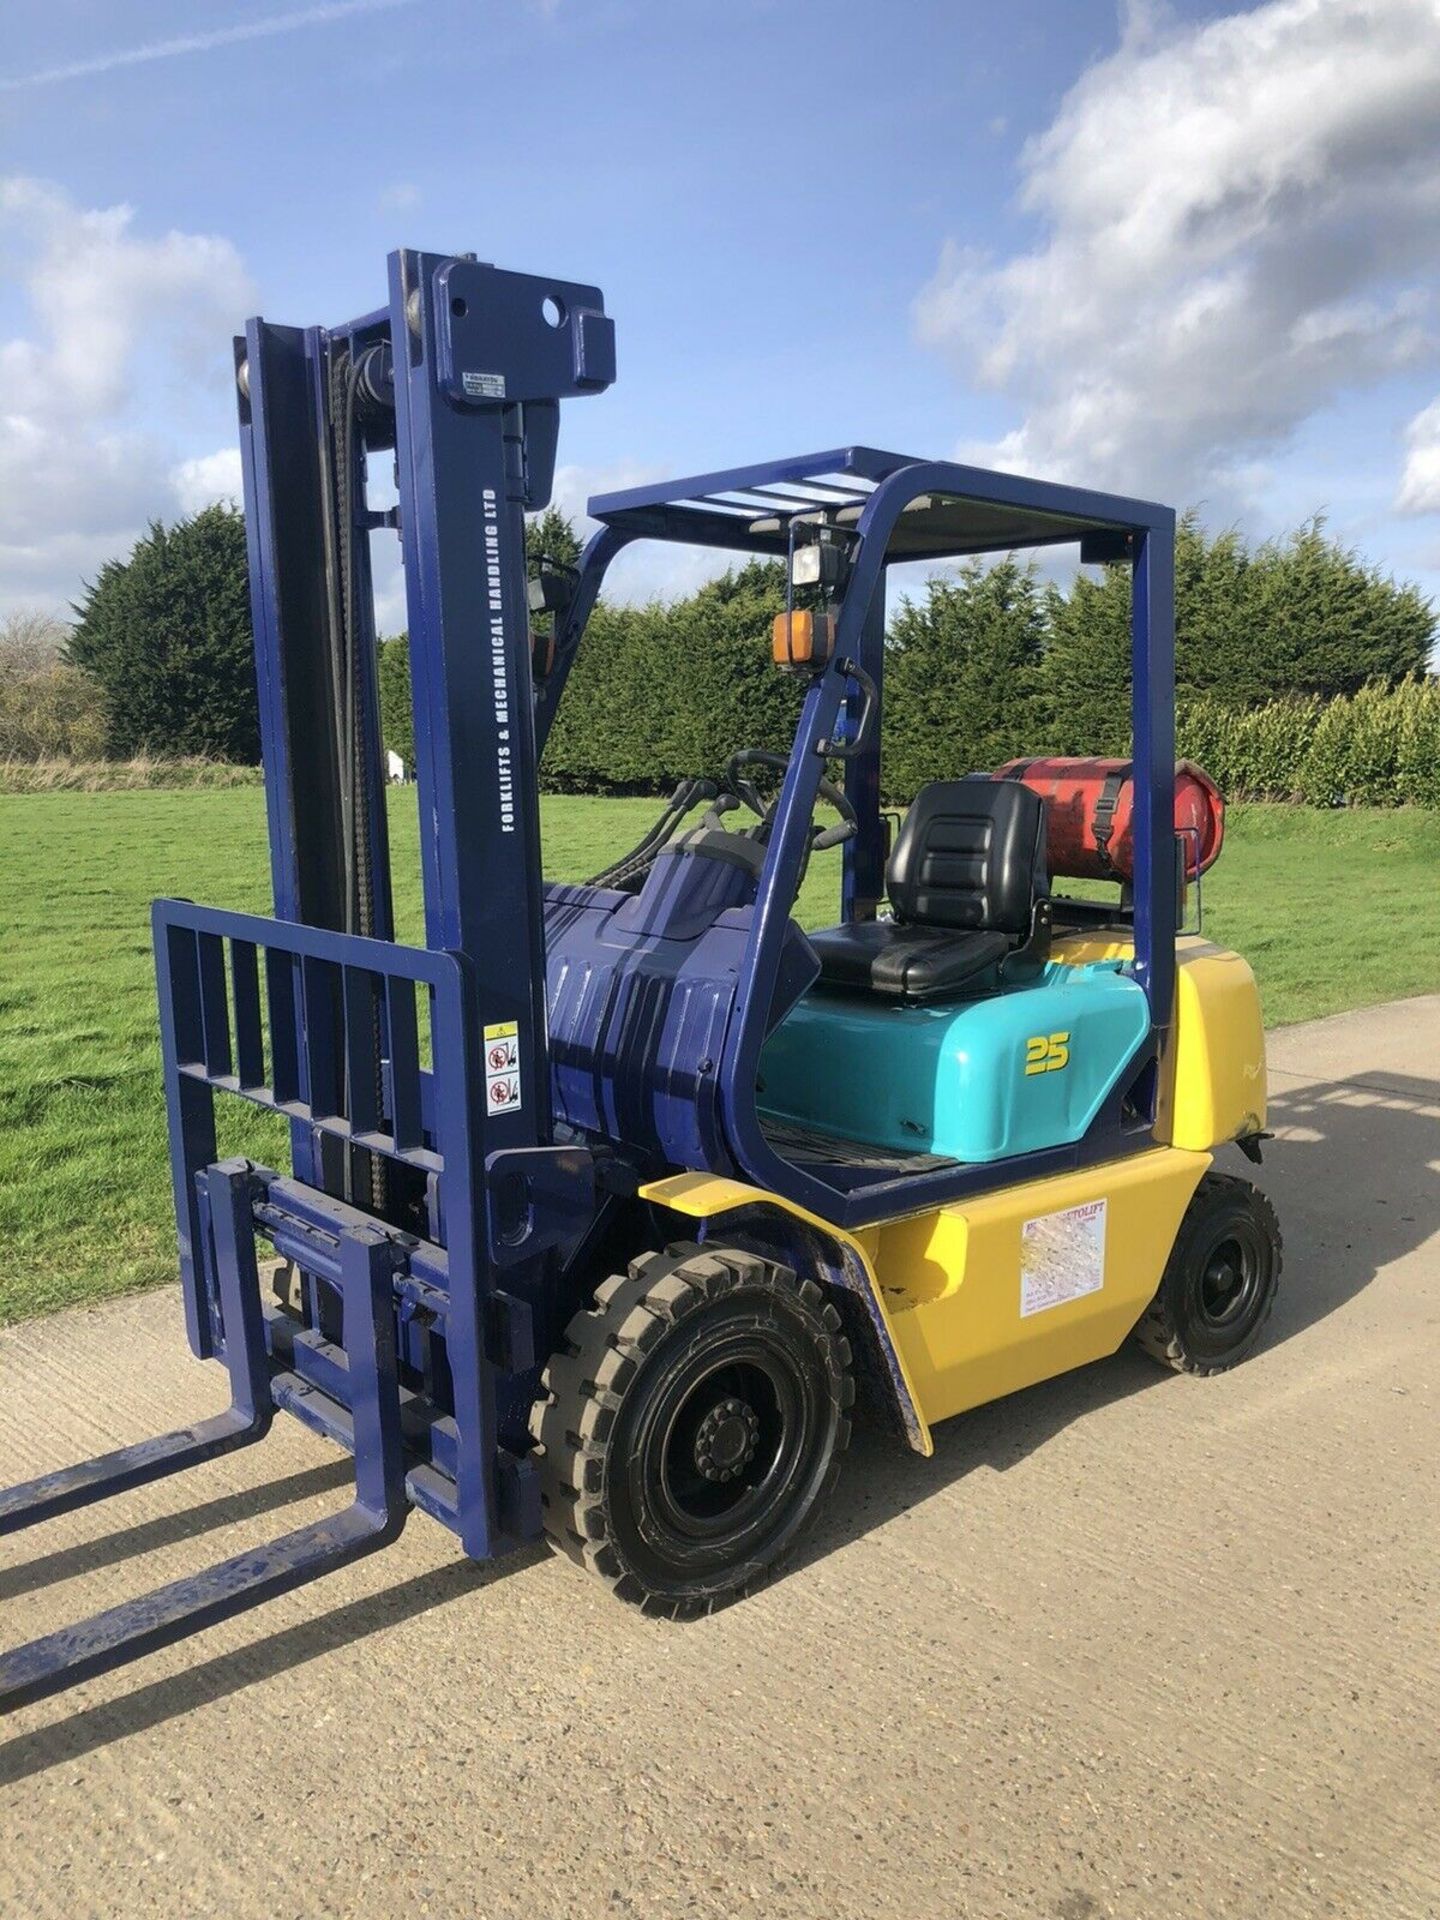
{"x":1219,"y":1283}
{"x":690,"y":1426}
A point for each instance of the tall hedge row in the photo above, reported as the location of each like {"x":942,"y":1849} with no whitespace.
{"x":661,"y":691}
{"x":1379,"y":747}
{"x":985,"y":662}
{"x":991,"y":661}
{"x":397,"y":705}
{"x":1292,"y":617}
{"x":1301,"y":673}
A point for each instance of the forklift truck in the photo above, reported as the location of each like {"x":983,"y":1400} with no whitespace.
{"x":605,"y":1203}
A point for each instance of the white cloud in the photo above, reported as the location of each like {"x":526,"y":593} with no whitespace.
{"x":1239,"y":220}
{"x":575,"y":486}
{"x":209,"y":477}
{"x":650,"y":569}
{"x":1420,"y":481}
{"x":81,"y":465}
{"x":388,"y":574}
{"x":399,"y":197}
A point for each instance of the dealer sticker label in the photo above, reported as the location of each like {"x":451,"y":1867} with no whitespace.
{"x":1062,"y":1257}
{"x":483,"y":386}
{"x":502,"y":1067}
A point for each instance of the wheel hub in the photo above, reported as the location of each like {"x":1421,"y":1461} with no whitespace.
{"x":1224,"y":1282}
{"x":726,"y":1439}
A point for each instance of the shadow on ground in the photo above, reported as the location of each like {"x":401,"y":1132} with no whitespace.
{"x":89,"y":1728}
{"x":1354,"y":1174}
{"x":169,"y":1529}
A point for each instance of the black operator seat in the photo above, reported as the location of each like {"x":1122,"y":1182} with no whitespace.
{"x":968,"y":883}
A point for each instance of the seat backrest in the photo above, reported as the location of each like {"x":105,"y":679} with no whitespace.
{"x":970,"y":854}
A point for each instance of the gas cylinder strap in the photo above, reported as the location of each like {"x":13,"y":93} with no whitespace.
{"x":1103,"y":823}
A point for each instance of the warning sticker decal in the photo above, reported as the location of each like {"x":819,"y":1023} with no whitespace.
{"x":1062,"y":1257}
{"x":502,"y":1067}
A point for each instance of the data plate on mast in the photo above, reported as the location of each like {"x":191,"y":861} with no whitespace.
{"x":506,"y":337}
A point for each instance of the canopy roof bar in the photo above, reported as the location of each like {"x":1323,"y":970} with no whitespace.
{"x":960,"y":510}
{"x":747,"y":507}
{"x":820,"y":486}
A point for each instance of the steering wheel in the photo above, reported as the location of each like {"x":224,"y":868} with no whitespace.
{"x":845,"y":828}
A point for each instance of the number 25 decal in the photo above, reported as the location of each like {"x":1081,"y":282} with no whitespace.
{"x":1047,"y":1052}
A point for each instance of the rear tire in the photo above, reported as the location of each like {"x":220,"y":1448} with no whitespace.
{"x":1219,"y":1283}
{"x":690,"y":1425}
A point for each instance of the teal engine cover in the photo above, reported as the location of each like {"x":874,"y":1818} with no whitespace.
{"x":984,"y":1079}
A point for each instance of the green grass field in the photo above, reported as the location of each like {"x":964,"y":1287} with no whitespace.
{"x":1333,"y":909}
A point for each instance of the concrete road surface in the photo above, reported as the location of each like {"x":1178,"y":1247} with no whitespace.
{"x":1131,"y":1644}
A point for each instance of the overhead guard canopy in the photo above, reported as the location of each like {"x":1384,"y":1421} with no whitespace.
{"x":963,"y":510}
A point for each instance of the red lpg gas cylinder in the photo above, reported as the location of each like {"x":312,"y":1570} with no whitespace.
{"x":1089,"y":812}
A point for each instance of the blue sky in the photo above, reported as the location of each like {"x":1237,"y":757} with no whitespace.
{"x":1190,"y":252}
